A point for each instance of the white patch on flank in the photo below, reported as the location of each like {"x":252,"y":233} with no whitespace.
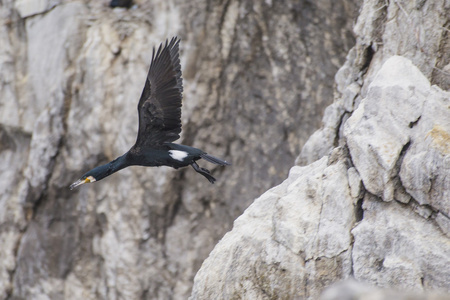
{"x":178,"y":155}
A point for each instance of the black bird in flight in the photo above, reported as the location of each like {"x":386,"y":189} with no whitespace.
{"x":159,"y":111}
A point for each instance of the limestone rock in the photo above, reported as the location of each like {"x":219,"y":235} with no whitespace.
{"x":395,"y":247}
{"x":424,"y":40}
{"x":72,"y":72}
{"x":14,"y":146}
{"x":27,"y":8}
{"x":378,"y":131}
{"x":353,"y":290}
{"x":392,"y":182}
{"x":283,"y":243}
{"x":426,"y":165}
{"x":294,"y":238}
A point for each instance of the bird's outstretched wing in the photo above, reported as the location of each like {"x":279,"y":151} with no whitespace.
{"x":159,"y":107}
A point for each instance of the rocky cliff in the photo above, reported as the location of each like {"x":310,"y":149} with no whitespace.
{"x":336,"y":218}
{"x":258,"y":76}
{"x":369,"y":198}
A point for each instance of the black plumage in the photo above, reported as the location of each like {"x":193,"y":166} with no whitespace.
{"x":159,"y":111}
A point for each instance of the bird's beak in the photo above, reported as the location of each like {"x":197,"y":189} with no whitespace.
{"x":79,"y":182}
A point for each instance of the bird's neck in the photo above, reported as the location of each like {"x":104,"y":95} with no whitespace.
{"x":112,"y":167}
{"x":118,"y":164}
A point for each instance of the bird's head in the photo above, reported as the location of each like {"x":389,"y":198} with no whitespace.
{"x":93,"y":175}
{"x":100,"y":172}
{"x":84,"y":179}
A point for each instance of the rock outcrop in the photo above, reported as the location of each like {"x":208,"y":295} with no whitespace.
{"x":353,"y":213}
{"x":257,"y":74}
{"x":369,"y":197}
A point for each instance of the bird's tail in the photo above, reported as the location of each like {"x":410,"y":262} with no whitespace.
{"x":214,"y":160}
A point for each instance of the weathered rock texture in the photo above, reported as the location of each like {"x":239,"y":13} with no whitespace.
{"x":353,"y":290}
{"x":369,"y":198}
{"x":258,"y":75}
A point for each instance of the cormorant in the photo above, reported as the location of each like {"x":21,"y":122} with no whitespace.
{"x":159,"y":112}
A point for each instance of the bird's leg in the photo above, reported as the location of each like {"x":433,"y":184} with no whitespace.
{"x":203,"y":171}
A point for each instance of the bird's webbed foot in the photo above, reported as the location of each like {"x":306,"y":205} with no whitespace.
{"x":204,"y":172}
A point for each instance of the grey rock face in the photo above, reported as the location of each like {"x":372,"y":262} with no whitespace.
{"x":396,"y":247}
{"x":257,"y":76}
{"x":289,"y":243}
{"x":317,"y":227}
{"x":392,"y":115}
{"x":354,"y":290}
{"x":378,"y":131}
{"x":393,"y":122}
{"x":416,"y":30}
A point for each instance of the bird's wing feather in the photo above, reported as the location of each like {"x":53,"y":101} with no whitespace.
{"x":159,"y":107}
